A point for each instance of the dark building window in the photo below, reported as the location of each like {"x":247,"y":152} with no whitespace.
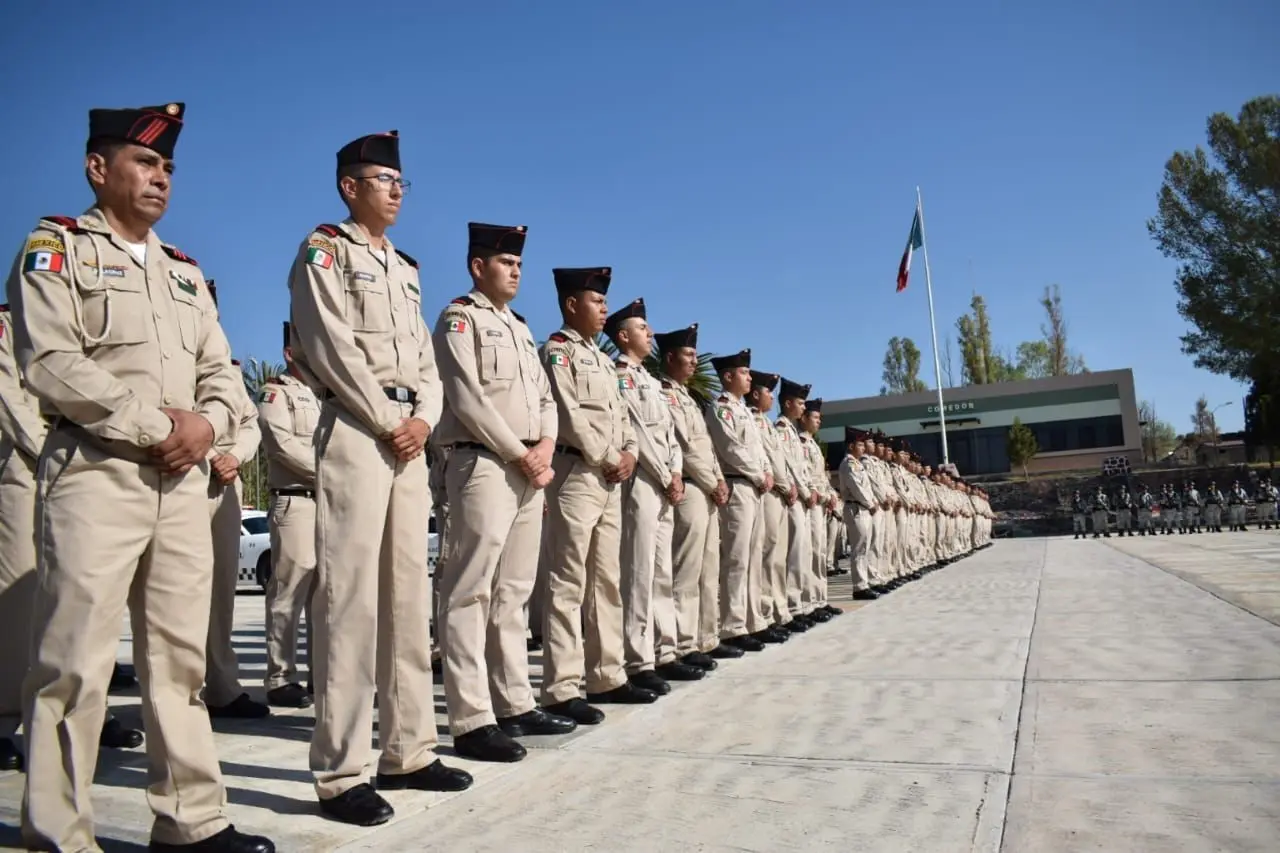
{"x":982,"y":450}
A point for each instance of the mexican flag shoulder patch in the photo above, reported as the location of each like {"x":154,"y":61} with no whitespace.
{"x":318,"y":257}
{"x":556,"y":359}
{"x":725,"y":414}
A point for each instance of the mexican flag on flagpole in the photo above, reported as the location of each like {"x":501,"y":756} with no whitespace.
{"x":914,"y":241}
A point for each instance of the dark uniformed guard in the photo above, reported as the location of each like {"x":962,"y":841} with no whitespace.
{"x":1213,"y":503}
{"x":359,"y":337}
{"x":118,"y":337}
{"x":498,"y":431}
{"x":1079,"y":511}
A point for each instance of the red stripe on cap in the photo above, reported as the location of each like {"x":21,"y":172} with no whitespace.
{"x":152,"y":131}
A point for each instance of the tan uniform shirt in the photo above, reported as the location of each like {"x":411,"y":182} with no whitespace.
{"x":107,"y":340}
{"x":737,"y":440}
{"x":21,"y":426}
{"x":777,"y":460}
{"x":593,"y":415}
{"x":651,"y":418}
{"x":495,"y":390}
{"x":794,"y":453}
{"x":357,"y":319}
{"x":288,"y":412}
{"x":816,"y":465}
{"x":855,"y":484}
{"x":242,"y":442}
{"x":698,"y":454}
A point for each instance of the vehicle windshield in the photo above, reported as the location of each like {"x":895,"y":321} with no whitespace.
{"x":255,"y":524}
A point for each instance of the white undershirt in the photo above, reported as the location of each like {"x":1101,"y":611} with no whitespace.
{"x":139,"y":251}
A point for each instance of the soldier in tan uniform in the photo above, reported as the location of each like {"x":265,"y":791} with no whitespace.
{"x":800,"y":584}
{"x":596,"y":454}
{"x":810,"y":423}
{"x":223,"y":695}
{"x":695,"y":550}
{"x":648,"y":501}
{"x":499,"y":425}
{"x":22,"y":433}
{"x":359,"y":338}
{"x":749,"y":475}
{"x":860,"y":507}
{"x":288,"y":412}
{"x":118,"y":337}
{"x":771,"y":532}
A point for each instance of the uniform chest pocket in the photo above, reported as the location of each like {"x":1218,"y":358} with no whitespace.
{"x":189,"y":313}
{"x":118,"y":312}
{"x":498,"y":360}
{"x":411,"y":305}
{"x":368,"y":303}
{"x":305,"y":415}
{"x":593,"y":382}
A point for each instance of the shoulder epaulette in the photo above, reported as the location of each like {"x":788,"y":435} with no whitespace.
{"x":178,"y":256}
{"x":331,"y":231}
{"x":66,"y":222}
{"x":668,"y":384}
{"x":519,"y":317}
{"x":408,"y":259}
{"x":463,"y":300}
{"x":557,"y":338}
{"x":622,"y":365}
{"x":4,"y":308}
{"x":274,"y":380}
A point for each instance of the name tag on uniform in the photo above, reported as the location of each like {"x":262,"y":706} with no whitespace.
{"x":589,"y":362}
{"x":364,"y":276}
{"x":492,"y":333}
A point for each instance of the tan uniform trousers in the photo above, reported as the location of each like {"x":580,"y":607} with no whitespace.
{"x":800,"y":585}
{"x":834,"y":531}
{"x":538,"y":600}
{"x":773,"y":580}
{"x":582,"y":625}
{"x":222,"y":672}
{"x":664,"y":603}
{"x":696,"y":574}
{"x":643,"y":509}
{"x":371,"y":603}
{"x":741,"y":543}
{"x":818,"y":553}
{"x":116,"y":533}
{"x":902,"y":527}
{"x":495,"y":529}
{"x":17,"y":581}
{"x":858,"y":522}
{"x":292,"y":527}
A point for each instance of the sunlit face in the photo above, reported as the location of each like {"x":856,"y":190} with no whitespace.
{"x":498,"y":277}
{"x":681,"y":363}
{"x":859,"y":449}
{"x":737,"y":381}
{"x":793,"y":408}
{"x":587,"y":310}
{"x":812,"y":422}
{"x":374,"y":195}
{"x":132,"y":180}
{"x":636,"y":337}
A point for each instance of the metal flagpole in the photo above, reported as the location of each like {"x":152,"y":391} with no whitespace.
{"x":933,"y":329}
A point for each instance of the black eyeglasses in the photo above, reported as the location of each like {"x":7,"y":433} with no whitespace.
{"x":385,"y":181}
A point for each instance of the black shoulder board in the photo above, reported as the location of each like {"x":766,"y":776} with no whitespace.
{"x":331,"y":231}
{"x":179,"y":256}
{"x":4,"y":309}
{"x":408,"y":259}
{"x":462,"y":300}
{"x":274,"y":380}
{"x":66,"y":222}
{"x":518,"y":317}
{"x":558,"y":338}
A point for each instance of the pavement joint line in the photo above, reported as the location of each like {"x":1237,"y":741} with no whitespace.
{"x":802,"y":761}
{"x":1022,"y":697}
{"x":1198,"y":582}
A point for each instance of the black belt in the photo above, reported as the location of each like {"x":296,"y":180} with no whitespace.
{"x":569,"y":451}
{"x":294,"y":493}
{"x":737,"y":477}
{"x":475,"y":445}
{"x":399,"y":395}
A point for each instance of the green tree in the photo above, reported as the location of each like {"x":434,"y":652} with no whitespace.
{"x":703,"y":387}
{"x":1204,"y":424}
{"x":1159,"y":438}
{"x":1021,"y":446}
{"x":1061,"y":360}
{"x":979,"y":362}
{"x":1033,"y":359}
{"x":253,"y":474}
{"x":1219,"y":217}
{"x":902,"y":368}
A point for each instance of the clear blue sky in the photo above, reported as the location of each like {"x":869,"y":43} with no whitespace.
{"x":749,"y":165}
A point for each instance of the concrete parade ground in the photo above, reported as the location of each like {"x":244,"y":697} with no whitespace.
{"x":1042,"y":696}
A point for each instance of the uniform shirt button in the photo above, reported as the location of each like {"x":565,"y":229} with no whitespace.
{"x":165,"y":353}
{"x":144,"y":439}
{"x":168,"y":400}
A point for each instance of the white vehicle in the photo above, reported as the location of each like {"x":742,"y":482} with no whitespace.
{"x":255,"y":549}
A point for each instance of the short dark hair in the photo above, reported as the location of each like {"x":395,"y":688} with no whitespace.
{"x":481,"y":252}
{"x":351,"y":170}
{"x":107,"y":149}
